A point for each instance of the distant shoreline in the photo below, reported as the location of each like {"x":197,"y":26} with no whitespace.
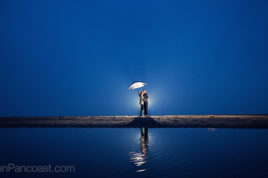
{"x":165,"y":121}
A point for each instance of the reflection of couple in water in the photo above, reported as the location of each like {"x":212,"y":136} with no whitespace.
{"x":144,"y":103}
{"x":144,"y":140}
{"x":139,"y":158}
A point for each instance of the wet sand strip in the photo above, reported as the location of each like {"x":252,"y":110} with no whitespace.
{"x":165,"y":121}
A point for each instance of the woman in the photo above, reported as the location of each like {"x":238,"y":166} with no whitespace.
{"x":144,"y":103}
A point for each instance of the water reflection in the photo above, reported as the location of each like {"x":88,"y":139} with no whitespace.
{"x":211,"y":129}
{"x":139,"y":158}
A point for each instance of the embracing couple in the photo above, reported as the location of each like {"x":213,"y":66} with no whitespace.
{"x":143,"y":103}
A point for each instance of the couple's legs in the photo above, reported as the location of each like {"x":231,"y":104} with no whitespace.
{"x":144,"y":108}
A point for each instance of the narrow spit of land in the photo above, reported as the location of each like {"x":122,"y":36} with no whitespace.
{"x":194,"y":121}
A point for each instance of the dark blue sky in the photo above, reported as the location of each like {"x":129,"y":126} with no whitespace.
{"x":79,"y":57}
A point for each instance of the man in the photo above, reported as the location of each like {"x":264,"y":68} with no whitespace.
{"x":144,"y":103}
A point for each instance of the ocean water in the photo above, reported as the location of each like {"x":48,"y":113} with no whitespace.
{"x":133,"y":152}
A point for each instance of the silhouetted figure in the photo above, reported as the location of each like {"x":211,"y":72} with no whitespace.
{"x":144,"y":103}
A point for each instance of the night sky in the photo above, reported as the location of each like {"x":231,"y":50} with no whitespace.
{"x":79,"y":57}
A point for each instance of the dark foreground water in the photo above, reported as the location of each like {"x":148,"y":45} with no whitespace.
{"x":130,"y":152}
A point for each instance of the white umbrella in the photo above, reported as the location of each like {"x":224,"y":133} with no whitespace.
{"x":136,"y":85}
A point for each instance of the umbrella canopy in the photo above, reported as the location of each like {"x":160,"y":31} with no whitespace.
{"x":136,"y":85}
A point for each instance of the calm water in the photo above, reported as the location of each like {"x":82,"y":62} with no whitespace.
{"x":130,"y":152}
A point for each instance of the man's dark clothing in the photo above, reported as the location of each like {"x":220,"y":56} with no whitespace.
{"x":146,"y":108}
{"x":144,"y":104}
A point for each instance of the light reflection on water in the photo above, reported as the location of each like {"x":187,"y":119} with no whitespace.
{"x":142,"y":152}
{"x":139,"y":158}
